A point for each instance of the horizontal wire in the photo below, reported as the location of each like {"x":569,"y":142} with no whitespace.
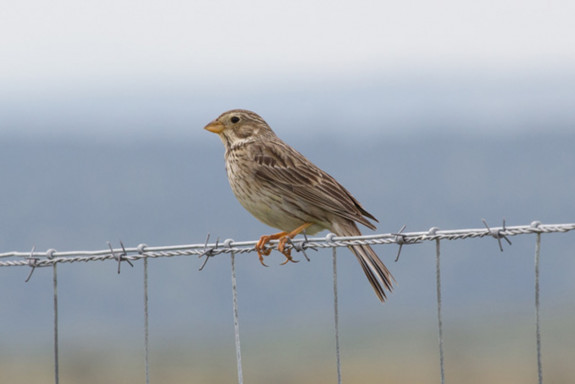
{"x":51,"y":257}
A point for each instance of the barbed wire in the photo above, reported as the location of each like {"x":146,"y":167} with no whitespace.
{"x":50,"y":257}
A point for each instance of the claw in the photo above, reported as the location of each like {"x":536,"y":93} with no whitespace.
{"x":283,"y":238}
{"x":289,"y":258}
{"x":261,"y":248}
{"x":286,"y":252}
{"x":261,"y":256}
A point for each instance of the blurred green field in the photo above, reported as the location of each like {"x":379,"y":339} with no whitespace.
{"x":472,"y":355}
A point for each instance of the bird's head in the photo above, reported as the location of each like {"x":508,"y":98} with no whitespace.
{"x":238,"y":126}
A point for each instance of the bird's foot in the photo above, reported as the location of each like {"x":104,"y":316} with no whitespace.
{"x":283,"y":237}
{"x":286,"y":252}
{"x":261,"y":248}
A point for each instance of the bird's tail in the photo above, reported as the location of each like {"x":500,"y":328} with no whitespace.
{"x":374,"y":269}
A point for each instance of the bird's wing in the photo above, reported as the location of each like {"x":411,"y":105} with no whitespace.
{"x":288,"y":170}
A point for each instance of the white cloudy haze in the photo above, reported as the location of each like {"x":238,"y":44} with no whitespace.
{"x":53,"y":52}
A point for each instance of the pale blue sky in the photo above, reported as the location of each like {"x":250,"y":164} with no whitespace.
{"x":57,"y":52}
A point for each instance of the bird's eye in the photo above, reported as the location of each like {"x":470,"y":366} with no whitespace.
{"x":234,"y":119}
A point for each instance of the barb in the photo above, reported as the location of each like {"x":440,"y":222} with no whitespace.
{"x":497,"y":233}
{"x":121,"y":256}
{"x":400,"y":238}
{"x":33,"y":263}
{"x":301,"y":245}
{"x":208,"y":252}
{"x":40,"y":259}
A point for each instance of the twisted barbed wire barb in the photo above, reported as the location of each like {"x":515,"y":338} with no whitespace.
{"x":497,"y":233}
{"x":400,"y":240}
{"x":208,"y":252}
{"x":120,"y":256}
{"x":15,"y":258}
{"x":301,"y":245}
{"x":32,"y":262}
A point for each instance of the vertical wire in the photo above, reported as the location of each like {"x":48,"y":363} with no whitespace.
{"x":336,"y":315}
{"x":439,"y":320}
{"x":537,"y":321}
{"x":236,"y":321}
{"x":146,"y":323}
{"x":56,"y":342}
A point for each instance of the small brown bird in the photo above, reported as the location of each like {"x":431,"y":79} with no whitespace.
{"x":283,"y":189}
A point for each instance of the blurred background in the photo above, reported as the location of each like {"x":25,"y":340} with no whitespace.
{"x":431,"y":114}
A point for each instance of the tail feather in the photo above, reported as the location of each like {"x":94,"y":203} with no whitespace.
{"x":374,"y":269}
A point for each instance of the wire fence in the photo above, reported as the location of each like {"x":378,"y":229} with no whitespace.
{"x":51,"y":258}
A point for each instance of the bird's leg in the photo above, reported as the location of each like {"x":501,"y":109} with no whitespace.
{"x":284,"y":238}
{"x":261,"y":245}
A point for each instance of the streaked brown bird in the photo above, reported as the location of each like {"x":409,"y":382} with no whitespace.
{"x":283,"y":189}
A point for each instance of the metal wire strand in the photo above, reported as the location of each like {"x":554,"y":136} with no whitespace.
{"x":40,"y":259}
{"x":56,"y":341}
{"x":51,"y":257}
{"x":537,"y":321}
{"x":336,"y":316}
{"x":146,"y":324}
{"x":439,"y":320}
{"x":236,"y":320}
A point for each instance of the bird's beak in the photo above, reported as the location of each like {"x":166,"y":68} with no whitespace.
{"x":215,"y":127}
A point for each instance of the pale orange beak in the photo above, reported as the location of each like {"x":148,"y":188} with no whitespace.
{"x":215,"y":127}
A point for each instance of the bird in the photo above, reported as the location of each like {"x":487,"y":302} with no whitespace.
{"x":283,"y":189}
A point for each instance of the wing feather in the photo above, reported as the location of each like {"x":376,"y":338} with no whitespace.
{"x":291,"y":172}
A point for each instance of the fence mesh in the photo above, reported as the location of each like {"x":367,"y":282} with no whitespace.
{"x":36,"y":259}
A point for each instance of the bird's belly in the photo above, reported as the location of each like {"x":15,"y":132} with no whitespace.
{"x":275,"y":210}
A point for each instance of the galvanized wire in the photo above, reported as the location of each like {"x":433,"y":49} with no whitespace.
{"x":537,"y":319}
{"x":336,"y":316}
{"x":439,"y":319}
{"x":52,"y":257}
{"x":236,"y":321}
{"x":56,"y":342}
{"x":42,"y":259}
{"x":146,"y":324}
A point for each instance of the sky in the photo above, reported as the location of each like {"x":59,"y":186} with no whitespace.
{"x":54,"y":52}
